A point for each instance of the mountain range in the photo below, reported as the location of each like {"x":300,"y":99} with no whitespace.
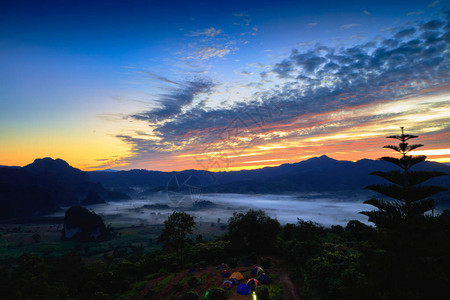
{"x":48,"y":184}
{"x":313,"y":175}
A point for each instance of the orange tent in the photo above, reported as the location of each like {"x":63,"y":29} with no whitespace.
{"x":237,"y":275}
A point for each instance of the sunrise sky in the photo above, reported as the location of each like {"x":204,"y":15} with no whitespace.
{"x":220,"y":85}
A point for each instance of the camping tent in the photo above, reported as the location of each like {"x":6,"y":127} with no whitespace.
{"x":225,"y":273}
{"x":227,"y":284}
{"x":257,"y":271}
{"x":237,"y":275}
{"x":264,"y":279}
{"x":252,"y":283}
{"x":243,"y":289}
{"x":234,"y":281}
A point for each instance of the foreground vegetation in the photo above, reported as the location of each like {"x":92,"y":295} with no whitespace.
{"x":352,"y":262}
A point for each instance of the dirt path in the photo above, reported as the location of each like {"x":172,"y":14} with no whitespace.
{"x":290,"y":290}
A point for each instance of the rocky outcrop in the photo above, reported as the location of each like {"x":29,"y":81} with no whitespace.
{"x":82,"y":225}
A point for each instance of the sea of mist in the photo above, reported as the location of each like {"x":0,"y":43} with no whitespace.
{"x":325,"y":209}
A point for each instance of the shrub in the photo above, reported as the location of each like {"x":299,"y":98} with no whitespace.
{"x":100,"y":296}
{"x":303,"y":251}
{"x":358,"y":231}
{"x":218,"y":294}
{"x":336,"y":229}
{"x":232,"y":262}
{"x":266,"y":262}
{"x":262,"y":292}
{"x":177,"y":287}
{"x":203,"y":264}
{"x":193,"y":282}
{"x":190,"y":296}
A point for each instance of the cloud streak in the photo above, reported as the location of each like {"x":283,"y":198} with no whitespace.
{"x":205,"y":53}
{"x":348,"y":26}
{"x":211,"y":32}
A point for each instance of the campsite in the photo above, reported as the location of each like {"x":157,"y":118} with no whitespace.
{"x":206,"y":279}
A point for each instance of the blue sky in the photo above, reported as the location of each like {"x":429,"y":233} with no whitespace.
{"x":157,"y":85}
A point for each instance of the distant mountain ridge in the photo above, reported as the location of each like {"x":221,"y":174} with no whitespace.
{"x":317,"y":174}
{"x":47,"y":184}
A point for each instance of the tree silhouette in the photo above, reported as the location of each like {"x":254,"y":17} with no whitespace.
{"x":409,"y":198}
{"x":253,"y":231}
{"x":177,"y":226}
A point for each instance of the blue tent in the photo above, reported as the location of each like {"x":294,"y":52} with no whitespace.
{"x":243,"y":289}
{"x":257,"y":271}
{"x":234,"y":281}
{"x":264,"y":279}
{"x":225,"y":273}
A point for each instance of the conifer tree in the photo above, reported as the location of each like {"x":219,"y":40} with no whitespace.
{"x":409,"y":199}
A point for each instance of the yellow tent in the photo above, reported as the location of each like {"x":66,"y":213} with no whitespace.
{"x":237,"y":275}
{"x":257,"y":271}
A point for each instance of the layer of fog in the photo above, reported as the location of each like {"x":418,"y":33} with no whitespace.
{"x":324,"y":209}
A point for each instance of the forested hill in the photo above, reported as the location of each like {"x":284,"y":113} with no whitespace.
{"x":45,"y":185}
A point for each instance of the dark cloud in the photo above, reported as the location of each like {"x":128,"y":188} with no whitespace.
{"x":432,"y":25}
{"x":142,"y":147}
{"x":173,"y":102}
{"x":405,"y":32}
{"x":431,"y":37}
{"x":309,"y":61}
{"x":283,"y":69}
{"x":159,"y":77}
{"x":446,"y":37}
{"x":331,"y":66}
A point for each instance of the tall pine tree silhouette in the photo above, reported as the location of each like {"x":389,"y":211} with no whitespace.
{"x":409,"y":198}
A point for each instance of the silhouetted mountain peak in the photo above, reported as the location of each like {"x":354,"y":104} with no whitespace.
{"x":318,"y":161}
{"x":323,"y":158}
{"x":48,"y":164}
{"x":57,"y":167}
{"x":57,"y":172}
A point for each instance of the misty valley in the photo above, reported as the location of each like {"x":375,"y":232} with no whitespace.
{"x":323,"y":209}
